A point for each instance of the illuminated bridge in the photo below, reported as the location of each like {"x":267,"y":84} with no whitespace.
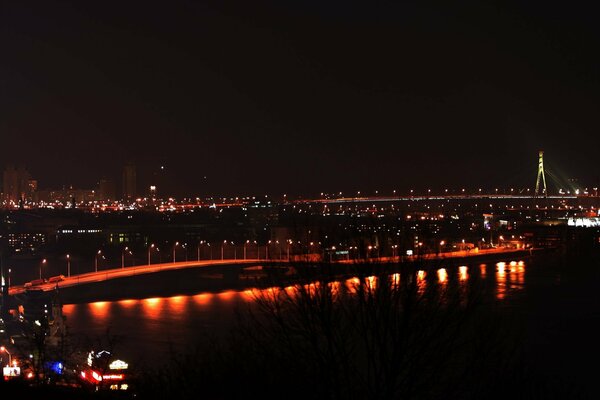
{"x":391,"y":199}
{"x":238,"y":265}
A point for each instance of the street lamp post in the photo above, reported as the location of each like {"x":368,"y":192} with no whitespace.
{"x":174,"y":248}
{"x":245,"y":243}
{"x":96,"y":260}
{"x":68,"y":265}
{"x":123,"y":257}
{"x":44,"y":261}
{"x":4,"y":349}
{"x":199,"y":244}
{"x":9,"y":271}
{"x":355,"y":255}
{"x":222,"y":251}
{"x":149,"y":249}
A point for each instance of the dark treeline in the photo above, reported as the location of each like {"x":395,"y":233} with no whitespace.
{"x":382,"y":336}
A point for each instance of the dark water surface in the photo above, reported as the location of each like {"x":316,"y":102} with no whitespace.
{"x":553,"y":301}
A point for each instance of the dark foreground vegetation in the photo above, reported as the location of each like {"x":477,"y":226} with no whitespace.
{"x":378,"y":337}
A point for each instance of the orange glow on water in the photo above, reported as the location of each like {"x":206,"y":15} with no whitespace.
{"x":152,"y":307}
{"x":203,"y":299}
{"x":68,"y":308}
{"x":501,"y":281}
{"x":248,"y":295}
{"x":335,"y":287}
{"x":395,"y":279}
{"x":520,"y":274}
{"x":421,"y":282}
{"x":99,"y":309}
{"x":127,"y":303}
{"x":463,"y":273}
{"x":483,"y":270}
{"x":352,"y":284}
{"x":153,"y":301}
{"x":227,"y":295}
{"x":290,"y":291}
{"x":371,"y":282}
{"x":442,"y":275}
{"x":177,"y":304}
{"x":501,"y":266}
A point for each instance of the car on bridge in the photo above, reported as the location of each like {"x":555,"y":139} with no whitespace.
{"x":56,"y":278}
{"x":34,"y":282}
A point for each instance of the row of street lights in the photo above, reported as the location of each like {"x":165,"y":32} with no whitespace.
{"x":310,"y":245}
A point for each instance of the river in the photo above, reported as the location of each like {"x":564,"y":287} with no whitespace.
{"x":556,"y":301}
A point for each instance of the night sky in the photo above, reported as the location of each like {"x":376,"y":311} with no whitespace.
{"x":299,"y":96}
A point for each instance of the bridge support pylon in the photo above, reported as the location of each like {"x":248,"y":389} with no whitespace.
{"x":541,"y":176}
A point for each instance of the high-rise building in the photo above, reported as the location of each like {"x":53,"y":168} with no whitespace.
{"x":16,"y":184}
{"x":106,"y":190}
{"x":32,"y":190}
{"x":129,"y":182}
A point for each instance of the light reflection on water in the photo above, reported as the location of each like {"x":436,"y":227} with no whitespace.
{"x":509,"y":278}
{"x":463,"y":273}
{"x":181,"y":318}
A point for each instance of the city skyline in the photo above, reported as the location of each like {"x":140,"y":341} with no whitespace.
{"x":277,"y":98}
{"x":19,"y":184}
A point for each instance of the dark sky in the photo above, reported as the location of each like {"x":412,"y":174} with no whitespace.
{"x":300,"y":96}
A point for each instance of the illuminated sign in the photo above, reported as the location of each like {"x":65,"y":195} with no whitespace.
{"x":584,"y":222}
{"x":113,"y":377}
{"x":11,"y":371}
{"x":118,"y":364}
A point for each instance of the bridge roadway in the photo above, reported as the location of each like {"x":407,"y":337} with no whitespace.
{"x":390,"y":199}
{"x":104,"y":275}
{"x":100,"y":276}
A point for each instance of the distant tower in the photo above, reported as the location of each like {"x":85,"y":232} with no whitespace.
{"x":129,"y":182}
{"x":541,"y":175}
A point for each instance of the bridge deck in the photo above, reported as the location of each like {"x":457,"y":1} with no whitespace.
{"x":116,"y":273}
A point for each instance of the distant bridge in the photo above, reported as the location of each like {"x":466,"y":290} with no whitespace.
{"x":391,"y":199}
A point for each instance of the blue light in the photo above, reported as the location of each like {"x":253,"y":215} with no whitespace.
{"x":55,"y":366}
